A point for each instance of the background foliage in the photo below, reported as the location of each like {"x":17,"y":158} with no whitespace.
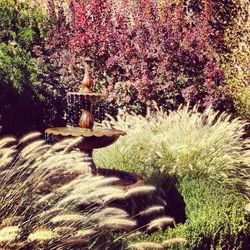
{"x":26,"y":90}
{"x":144,"y":54}
{"x":233,"y":17}
{"x":164,"y":54}
{"x":172,"y":52}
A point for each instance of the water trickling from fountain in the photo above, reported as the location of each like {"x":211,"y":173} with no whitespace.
{"x":80,"y":106}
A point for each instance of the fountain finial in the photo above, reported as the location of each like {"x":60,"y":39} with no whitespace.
{"x":87,"y":81}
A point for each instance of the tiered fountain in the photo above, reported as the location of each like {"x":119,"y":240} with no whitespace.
{"x":92,"y":137}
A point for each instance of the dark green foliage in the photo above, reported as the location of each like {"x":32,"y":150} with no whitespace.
{"x":21,"y":28}
{"x":216,"y":218}
{"x":25,"y":84}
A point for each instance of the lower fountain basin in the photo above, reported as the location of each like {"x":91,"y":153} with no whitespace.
{"x":91,"y":138}
{"x":127,"y":180}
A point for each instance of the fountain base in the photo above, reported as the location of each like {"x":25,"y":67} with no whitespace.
{"x":127,"y":179}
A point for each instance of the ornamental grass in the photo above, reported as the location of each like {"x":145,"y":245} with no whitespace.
{"x":49,"y":200}
{"x":181,"y":142}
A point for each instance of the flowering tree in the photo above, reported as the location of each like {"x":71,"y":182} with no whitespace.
{"x":143,"y":51}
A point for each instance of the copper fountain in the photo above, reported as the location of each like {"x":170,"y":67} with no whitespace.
{"x":92,"y":137}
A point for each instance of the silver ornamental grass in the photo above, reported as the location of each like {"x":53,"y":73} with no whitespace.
{"x":181,"y":142}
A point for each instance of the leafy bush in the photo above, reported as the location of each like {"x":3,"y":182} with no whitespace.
{"x":231,"y":20}
{"x":25,"y":87}
{"x":181,"y":142}
{"x":216,"y":218}
{"x":162,"y":54}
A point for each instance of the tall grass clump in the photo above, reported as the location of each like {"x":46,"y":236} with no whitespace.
{"x":181,"y":142}
{"x":49,"y":201}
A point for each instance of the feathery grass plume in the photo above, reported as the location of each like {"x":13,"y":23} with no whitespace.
{"x":152,"y":209}
{"x":68,"y":217}
{"x":38,"y":151}
{"x":96,"y":191}
{"x":134,"y":234}
{"x":42,"y":235}
{"x":64,"y":230}
{"x":114,"y":211}
{"x":71,"y":198}
{"x":30,"y":137}
{"x":85,"y":181}
{"x":100,"y":181}
{"x":182,"y":141}
{"x":71,"y":185}
{"x":73,"y":144}
{"x":140,"y":190}
{"x":58,"y":147}
{"x":160,"y":222}
{"x":31,"y":147}
{"x":9,"y":233}
{"x":94,"y":182}
{"x":32,"y":189}
{"x":145,"y":246}
{"x":118,"y":223}
{"x":175,"y":241}
{"x":6,"y":157}
{"x":100,"y":197}
{"x":114,"y":197}
{"x":104,"y":191}
{"x":6,"y":140}
{"x":84,"y":233}
{"x":50,"y":214}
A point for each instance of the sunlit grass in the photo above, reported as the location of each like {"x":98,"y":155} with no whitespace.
{"x":181,"y":142}
{"x":41,"y":189}
{"x":50,"y":200}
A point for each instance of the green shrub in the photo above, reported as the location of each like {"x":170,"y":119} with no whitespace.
{"x":21,"y":28}
{"x":216,"y":218}
{"x":25,"y":88}
{"x":235,"y":52}
{"x":181,"y":142}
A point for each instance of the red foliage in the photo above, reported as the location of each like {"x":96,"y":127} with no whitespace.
{"x":140,"y":54}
